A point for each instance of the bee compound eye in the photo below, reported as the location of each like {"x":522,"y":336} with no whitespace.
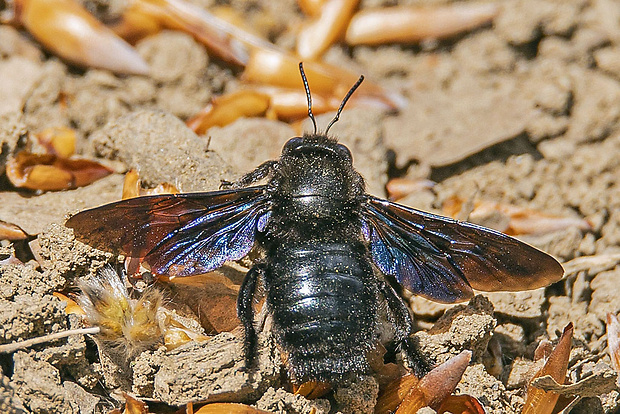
{"x":292,"y":144}
{"x":344,"y":152}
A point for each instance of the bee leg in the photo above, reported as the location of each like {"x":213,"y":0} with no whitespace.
{"x":398,"y":311}
{"x":403,"y":322}
{"x":418,"y":363}
{"x":264,"y":170}
{"x":245,"y":311}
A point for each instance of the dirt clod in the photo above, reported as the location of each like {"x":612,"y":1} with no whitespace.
{"x":462,"y":327}
{"x":282,"y":402}
{"x":166,"y":151}
{"x":215,"y":371}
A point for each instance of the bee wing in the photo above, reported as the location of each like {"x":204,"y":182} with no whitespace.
{"x":177,"y":234}
{"x":443,"y":259}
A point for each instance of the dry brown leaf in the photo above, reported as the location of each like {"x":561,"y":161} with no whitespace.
{"x":593,"y":264}
{"x":49,"y":172}
{"x":437,"y":385}
{"x":311,"y":7}
{"x":12,"y":232}
{"x":134,"y":406}
{"x":539,"y":401}
{"x":212,"y":296}
{"x":461,"y":404}
{"x":292,"y":104}
{"x":131,"y":184}
{"x":594,"y":385}
{"x":228,"y":408}
{"x":225,"y":40}
{"x":409,"y":393}
{"x":328,"y":27}
{"x":133,"y":188}
{"x":312,"y":390}
{"x":391,"y":397}
{"x":71,"y":306}
{"x":398,"y":188}
{"x":268,"y":66}
{"x":58,"y":140}
{"x":225,"y":109}
{"x":509,"y":219}
{"x":613,"y":340}
{"x":163,"y":188}
{"x":270,"y":101}
{"x":409,"y":24}
{"x":69,"y":31}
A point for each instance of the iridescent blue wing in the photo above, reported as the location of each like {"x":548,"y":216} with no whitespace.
{"x":443,"y":259}
{"x":177,"y":234}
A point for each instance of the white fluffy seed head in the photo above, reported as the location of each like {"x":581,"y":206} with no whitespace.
{"x":128,"y":326}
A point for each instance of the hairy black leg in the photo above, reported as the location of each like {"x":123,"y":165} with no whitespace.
{"x":402,"y":319}
{"x":262,"y":171}
{"x":418,"y":363}
{"x":245,"y":311}
{"x":397,"y":310}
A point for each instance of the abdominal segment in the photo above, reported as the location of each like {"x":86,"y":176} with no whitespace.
{"x":323,"y":302}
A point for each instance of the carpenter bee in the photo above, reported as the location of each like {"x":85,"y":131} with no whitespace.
{"x":329,"y":249}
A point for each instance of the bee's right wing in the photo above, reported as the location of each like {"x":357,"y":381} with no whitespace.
{"x":443,"y":259}
{"x":178,"y":234}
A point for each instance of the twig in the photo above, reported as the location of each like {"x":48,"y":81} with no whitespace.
{"x":14,"y":346}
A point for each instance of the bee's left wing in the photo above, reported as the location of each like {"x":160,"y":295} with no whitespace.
{"x":443,"y":259}
{"x":177,"y":234}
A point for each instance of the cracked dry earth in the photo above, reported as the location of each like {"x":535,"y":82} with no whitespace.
{"x":524,"y":112}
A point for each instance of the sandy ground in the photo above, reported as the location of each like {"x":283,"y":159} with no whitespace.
{"x":524,"y":112}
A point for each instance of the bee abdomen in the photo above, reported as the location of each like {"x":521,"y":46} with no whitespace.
{"x":323,"y":304}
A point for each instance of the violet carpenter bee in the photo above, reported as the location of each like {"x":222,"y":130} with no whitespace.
{"x":329,"y":251}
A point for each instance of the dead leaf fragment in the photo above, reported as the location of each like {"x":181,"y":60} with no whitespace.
{"x":539,"y":401}
{"x":407,"y":24}
{"x":391,"y":397}
{"x":228,"y":408}
{"x":225,"y":40}
{"x":510,"y":219}
{"x":71,"y":306}
{"x":133,"y":188}
{"x":461,"y":404}
{"x":131,"y":184}
{"x":430,"y":391}
{"x":134,"y":406}
{"x":401,"y":187}
{"x":267,"y":66}
{"x":212,"y":296}
{"x":601,"y":383}
{"x":312,"y":390}
{"x":12,"y":232}
{"x":311,"y":7}
{"x":225,"y":109}
{"x":58,"y":140}
{"x":48,"y":172}
{"x":69,"y":31}
{"x":319,"y":34}
{"x":613,"y":340}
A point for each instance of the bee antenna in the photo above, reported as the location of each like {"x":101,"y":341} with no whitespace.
{"x":344,"y":102}
{"x":308,"y":96}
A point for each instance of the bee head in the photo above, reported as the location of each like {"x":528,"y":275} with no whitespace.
{"x":317,"y":144}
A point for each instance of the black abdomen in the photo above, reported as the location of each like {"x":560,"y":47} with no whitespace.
{"x":323,"y":300}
